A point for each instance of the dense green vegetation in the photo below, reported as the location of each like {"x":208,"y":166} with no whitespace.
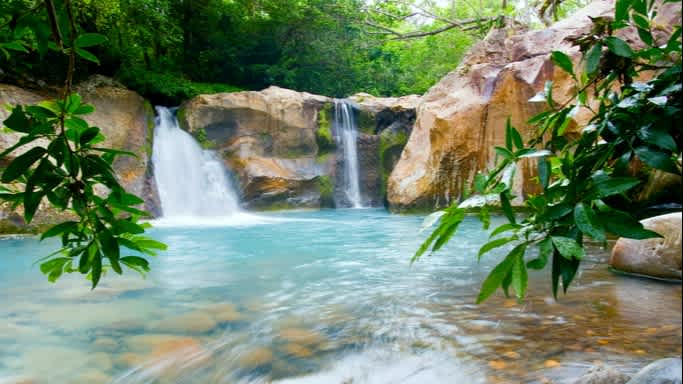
{"x":586,"y":180}
{"x":170,"y":50}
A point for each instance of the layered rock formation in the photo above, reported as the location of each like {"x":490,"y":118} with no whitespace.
{"x":125,"y":119}
{"x":280,"y":143}
{"x":462,"y":118}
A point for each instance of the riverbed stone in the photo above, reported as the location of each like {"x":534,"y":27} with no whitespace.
{"x":256,"y":357}
{"x":302,"y":336}
{"x":192,"y":322}
{"x":656,"y":257}
{"x":601,"y":374}
{"x":663,"y":371}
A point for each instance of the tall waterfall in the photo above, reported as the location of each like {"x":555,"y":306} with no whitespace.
{"x":192,"y":182}
{"x":347,"y":137}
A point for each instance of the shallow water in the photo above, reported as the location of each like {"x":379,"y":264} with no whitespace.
{"x":321,"y":297}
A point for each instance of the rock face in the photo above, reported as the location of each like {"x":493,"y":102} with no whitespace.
{"x":658,"y":257}
{"x":125,"y":119}
{"x":462,"y":118}
{"x":664,"y":371}
{"x":385,"y":123}
{"x":280,"y":143}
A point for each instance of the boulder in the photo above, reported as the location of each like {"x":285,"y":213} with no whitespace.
{"x":126,"y":120}
{"x":656,"y":257}
{"x":463,"y":117}
{"x":602,"y":375}
{"x":663,"y":371}
{"x":280,"y":143}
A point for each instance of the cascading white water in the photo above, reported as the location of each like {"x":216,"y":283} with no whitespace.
{"x":347,"y":136}
{"x":192,"y":182}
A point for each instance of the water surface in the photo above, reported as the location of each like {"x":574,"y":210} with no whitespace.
{"x":321,"y":297}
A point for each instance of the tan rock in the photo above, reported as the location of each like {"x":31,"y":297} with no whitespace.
{"x":192,"y":322}
{"x":130,"y":359}
{"x":298,"y":350}
{"x":256,"y":357}
{"x":462,"y":118}
{"x":149,"y":342}
{"x":657,"y":257}
{"x":302,"y":336}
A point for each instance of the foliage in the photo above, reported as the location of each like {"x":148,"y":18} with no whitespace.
{"x":170,"y":50}
{"x":61,"y":163}
{"x":583,"y":180}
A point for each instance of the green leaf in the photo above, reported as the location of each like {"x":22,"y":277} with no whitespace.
{"x":618,"y":46}
{"x":622,"y":224}
{"x":88,"y":135}
{"x":89,"y":40}
{"x":505,"y":153}
{"x":563,"y":61}
{"x":520,"y":277}
{"x":87,"y":55}
{"x":18,"y":121}
{"x":136,"y":263}
{"x":96,"y":271}
{"x":504,"y":228}
{"x":15,"y":46}
{"x":657,"y":159}
{"x":613,"y":185}
{"x":498,"y":274}
{"x":545,"y":250}
{"x":659,"y":137}
{"x":544,"y":172}
{"x":480,"y":182}
{"x":21,"y":164}
{"x":621,"y":10}
{"x":568,"y":248}
{"x":508,"y":135}
{"x":61,"y":228}
{"x":548,"y":91}
{"x":485,"y":217}
{"x":593,"y":58}
{"x":494,"y":244}
{"x":588,"y":223}
{"x":84,"y":109}
{"x":507,"y":207}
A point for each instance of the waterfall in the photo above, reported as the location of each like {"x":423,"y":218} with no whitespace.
{"x":346,"y":135}
{"x":192,"y":182}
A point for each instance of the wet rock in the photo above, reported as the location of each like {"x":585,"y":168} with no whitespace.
{"x":302,"y":336}
{"x":224,"y":313}
{"x":297,"y":350}
{"x":664,"y":371}
{"x":149,"y":342}
{"x":256,"y":357}
{"x":192,"y":322}
{"x":176,"y":347}
{"x":657,"y":257}
{"x":106,"y":343}
{"x":602,"y":375}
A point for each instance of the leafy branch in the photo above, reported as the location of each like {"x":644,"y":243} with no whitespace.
{"x":584,"y":181}
{"x":72,"y":173}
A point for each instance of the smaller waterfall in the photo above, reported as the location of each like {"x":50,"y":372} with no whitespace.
{"x":346,"y":135}
{"x":192,"y":182}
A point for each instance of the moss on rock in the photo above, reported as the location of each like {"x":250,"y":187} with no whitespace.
{"x":326,"y":192}
{"x":323,"y":135}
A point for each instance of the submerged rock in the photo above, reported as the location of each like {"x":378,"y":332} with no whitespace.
{"x":657,"y":257}
{"x":602,"y":375}
{"x":192,"y":322}
{"x":664,"y":371}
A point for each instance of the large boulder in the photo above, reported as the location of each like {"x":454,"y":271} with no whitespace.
{"x":126,"y":120}
{"x":663,"y":371}
{"x":463,"y":117}
{"x":269,"y":139}
{"x":602,"y":375}
{"x":281,"y":146}
{"x":656,"y":257}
